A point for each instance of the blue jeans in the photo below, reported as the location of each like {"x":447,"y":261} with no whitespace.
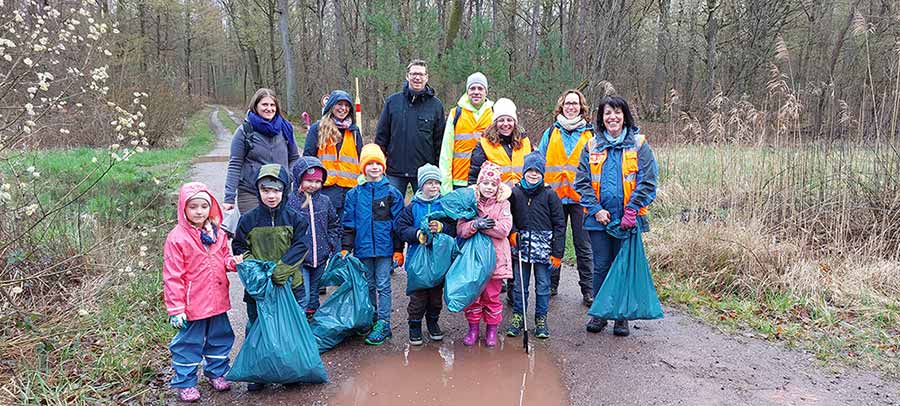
{"x":542,"y":287}
{"x":209,"y":340}
{"x":311,"y":277}
{"x":605,"y":249}
{"x":378,"y":275}
{"x":402,"y":182}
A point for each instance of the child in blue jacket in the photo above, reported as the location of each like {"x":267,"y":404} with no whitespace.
{"x":370,"y":209}
{"x":324,"y":236}
{"x":424,"y":302}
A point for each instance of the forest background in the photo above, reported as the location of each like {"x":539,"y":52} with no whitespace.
{"x":774,"y":122}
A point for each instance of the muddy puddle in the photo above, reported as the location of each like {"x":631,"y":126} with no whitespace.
{"x":450,"y":373}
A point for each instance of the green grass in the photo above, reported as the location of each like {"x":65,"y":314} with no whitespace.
{"x":227,"y":121}
{"x":112,"y":350}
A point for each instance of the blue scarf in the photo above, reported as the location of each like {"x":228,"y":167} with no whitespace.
{"x":207,"y":239}
{"x":274,"y":127}
{"x":614,"y":142}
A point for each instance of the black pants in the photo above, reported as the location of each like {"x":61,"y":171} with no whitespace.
{"x":426,"y":303}
{"x":584,"y":257}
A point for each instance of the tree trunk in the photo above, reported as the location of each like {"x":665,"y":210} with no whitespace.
{"x":187,"y":46}
{"x":289,"y":73}
{"x":142,"y":26}
{"x":512,"y":7}
{"x":662,"y":44}
{"x":533,"y":37}
{"x":453,"y":26}
{"x":712,"y":27}
{"x":273,"y":57}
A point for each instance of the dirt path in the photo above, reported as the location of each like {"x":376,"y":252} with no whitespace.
{"x":677,"y":360}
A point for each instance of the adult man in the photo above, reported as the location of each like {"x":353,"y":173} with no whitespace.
{"x":465,"y":124}
{"x":410,"y":127}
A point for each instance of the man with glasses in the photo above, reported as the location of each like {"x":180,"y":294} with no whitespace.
{"x":410,"y":128}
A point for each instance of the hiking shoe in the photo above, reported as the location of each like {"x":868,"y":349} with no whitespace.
{"x":490,"y":335}
{"x":415,"y":332}
{"x":380,"y":332}
{"x":434,"y":330}
{"x":503,"y":287}
{"x":595,"y":325}
{"x":472,"y":336}
{"x":540,"y":327}
{"x":620,"y":328}
{"x":321,"y":290}
{"x":515,"y":325}
{"x":189,"y":394}
{"x":255,"y":387}
{"x":587,"y":299}
{"x":220,"y":384}
{"x":554,"y":291}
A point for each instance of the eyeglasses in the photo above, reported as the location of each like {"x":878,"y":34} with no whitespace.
{"x":417,"y":74}
{"x":572,"y":103}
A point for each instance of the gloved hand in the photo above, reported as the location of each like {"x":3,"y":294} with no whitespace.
{"x":513,"y":239}
{"x":435,"y":226}
{"x":344,"y":254}
{"x":298,"y":278}
{"x":422,"y":237}
{"x":629,"y":219}
{"x":282,"y":272}
{"x":178,"y":321}
{"x":484,"y":223}
{"x":398,"y":259}
{"x":555,"y":263}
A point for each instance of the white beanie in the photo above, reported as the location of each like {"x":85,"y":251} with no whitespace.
{"x":504,"y":107}
{"x":202,"y":196}
{"x":478,"y":78}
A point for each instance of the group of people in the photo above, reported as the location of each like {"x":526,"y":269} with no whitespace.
{"x":340,"y":197}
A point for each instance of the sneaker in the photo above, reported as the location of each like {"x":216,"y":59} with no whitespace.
{"x":415,"y":332}
{"x":515,"y":325}
{"x":540,"y":327}
{"x":189,"y":394}
{"x":503,"y":287}
{"x":255,"y":387}
{"x":587,"y":299}
{"x":595,"y":325}
{"x":220,"y":384}
{"x":321,"y":290}
{"x":434,"y":330}
{"x":380,"y":332}
{"x":554,"y":291}
{"x":490,"y":335}
{"x":620,"y":328}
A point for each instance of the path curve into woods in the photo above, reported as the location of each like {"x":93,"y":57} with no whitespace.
{"x":676,"y":360}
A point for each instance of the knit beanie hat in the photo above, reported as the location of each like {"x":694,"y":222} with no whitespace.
{"x":428,"y":172}
{"x":202,"y":195}
{"x":504,"y":107}
{"x":534,"y":160}
{"x":371,"y":152}
{"x":489,"y":172}
{"x":476,"y":78}
{"x":313,"y":173}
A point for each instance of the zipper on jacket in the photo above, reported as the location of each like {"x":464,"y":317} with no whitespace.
{"x":373,"y":221}
{"x":312,"y":222}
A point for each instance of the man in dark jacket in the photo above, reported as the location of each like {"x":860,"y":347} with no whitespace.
{"x":411,"y":128}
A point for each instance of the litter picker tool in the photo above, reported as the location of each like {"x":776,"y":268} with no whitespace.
{"x":524,"y":313}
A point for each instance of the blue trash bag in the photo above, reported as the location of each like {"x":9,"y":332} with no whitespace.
{"x":348,"y":310}
{"x":628,"y":292}
{"x":279,"y":347}
{"x":458,"y":204}
{"x":469,"y":272}
{"x":427,"y":266}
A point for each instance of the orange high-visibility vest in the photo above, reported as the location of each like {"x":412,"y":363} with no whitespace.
{"x":512,"y":168}
{"x":343,"y":167}
{"x":560,"y":173}
{"x":629,"y":169}
{"x":467,"y":132}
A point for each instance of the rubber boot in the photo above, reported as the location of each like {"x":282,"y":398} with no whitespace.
{"x":490,"y":335}
{"x":472,"y":335}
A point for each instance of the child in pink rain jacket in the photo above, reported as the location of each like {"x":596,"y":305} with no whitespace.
{"x":495,"y":221}
{"x":195,"y":259}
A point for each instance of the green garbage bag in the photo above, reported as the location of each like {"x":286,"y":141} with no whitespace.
{"x":469,"y":272}
{"x":279,"y":347}
{"x":627,"y":292}
{"x":427,"y":266}
{"x":348,"y":310}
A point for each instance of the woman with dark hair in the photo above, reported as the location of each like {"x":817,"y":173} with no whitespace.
{"x":265,"y":137}
{"x":616,"y":179}
{"x":561,"y":146}
{"x":503,"y":143}
{"x":336,"y":141}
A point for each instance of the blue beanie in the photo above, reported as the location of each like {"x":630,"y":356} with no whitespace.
{"x":334,"y":98}
{"x":536,"y":161}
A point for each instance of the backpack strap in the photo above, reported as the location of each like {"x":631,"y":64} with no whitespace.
{"x":248,"y":135}
{"x":456,"y":117}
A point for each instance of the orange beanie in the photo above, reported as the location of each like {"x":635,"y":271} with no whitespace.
{"x":371,"y":152}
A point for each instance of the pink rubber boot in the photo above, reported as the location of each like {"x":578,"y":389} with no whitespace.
{"x":472,"y":335}
{"x":490,"y":335}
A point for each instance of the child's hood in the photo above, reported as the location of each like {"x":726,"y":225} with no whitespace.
{"x":275,"y":171}
{"x":304,"y":164}
{"x":189,"y":190}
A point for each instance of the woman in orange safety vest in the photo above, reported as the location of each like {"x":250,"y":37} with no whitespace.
{"x":503,"y":143}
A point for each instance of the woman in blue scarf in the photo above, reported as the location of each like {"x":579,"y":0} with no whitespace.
{"x":616,"y":179}
{"x":265,"y":138}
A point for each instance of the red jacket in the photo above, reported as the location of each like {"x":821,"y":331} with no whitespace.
{"x":194,"y":279}
{"x":497,"y":209}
